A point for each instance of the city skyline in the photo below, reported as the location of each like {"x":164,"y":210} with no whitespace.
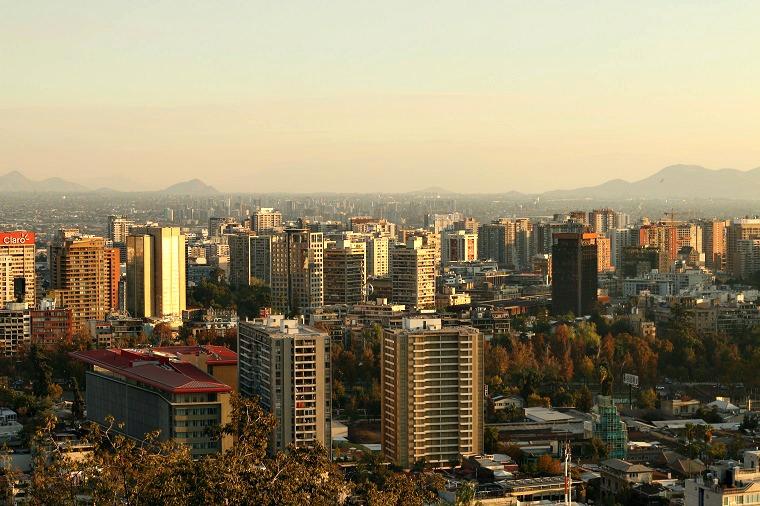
{"x":357,"y":98}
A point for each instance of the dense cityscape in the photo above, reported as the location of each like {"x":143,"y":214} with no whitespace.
{"x":419,"y":348}
{"x":341,"y":253}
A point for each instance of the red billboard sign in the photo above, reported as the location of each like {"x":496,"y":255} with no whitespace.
{"x":17,"y":238}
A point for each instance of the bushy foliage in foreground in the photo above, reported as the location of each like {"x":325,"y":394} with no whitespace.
{"x":123,"y":471}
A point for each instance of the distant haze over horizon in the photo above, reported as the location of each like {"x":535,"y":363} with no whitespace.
{"x":481,"y":97}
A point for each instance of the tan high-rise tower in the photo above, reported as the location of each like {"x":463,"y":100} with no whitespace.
{"x":82,"y":275}
{"x":156,"y":272}
{"x":412,"y":271}
{"x":287,"y":366}
{"x":432,"y":392}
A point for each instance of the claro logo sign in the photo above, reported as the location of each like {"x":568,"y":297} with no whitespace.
{"x":21,"y":237}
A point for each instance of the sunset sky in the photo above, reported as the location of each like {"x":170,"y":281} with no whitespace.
{"x":376,"y":96}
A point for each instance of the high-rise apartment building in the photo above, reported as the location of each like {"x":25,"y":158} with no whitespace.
{"x":118,"y":228}
{"x":524,"y":244}
{"x":496,"y":241}
{"x":738,"y":230}
{"x":297,"y":271}
{"x":543,"y":233}
{"x":469,"y":225}
{"x":17,"y":273}
{"x":369,"y":225}
{"x":621,"y":238}
{"x":714,"y":244}
{"x":606,"y":219}
{"x":603,"y":255}
{"x":378,"y":253}
{"x":458,"y":246}
{"x":663,"y":237}
{"x":287,"y":366}
{"x":266,"y":219}
{"x":156,"y":272}
{"x":82,"y":276}
{"x":412,"y":271}
{"x":431,"y":392}
{"x":746,"y":259}
{"x":430,"y":240}
{"x":574,"y":273}
{"x":50,"y":326}
{"x":345,"y":272}
{"x":15,"y":328}
{"x":250,"y":258}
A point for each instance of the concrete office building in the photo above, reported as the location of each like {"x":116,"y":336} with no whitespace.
{"x":345,"y":272}
{"x":432,"y":392}
{"x":17,"y":273}
{"x":83,"y":276}
{"x":287,"y":365}
{"x":297,"y":271}
{"x":574,"y":273}
{"x":412,"y":271}
{"x":250,"y":258}
{"x":266,"y":219}
{"x":156,"y":272}
{"x":148,"y":392}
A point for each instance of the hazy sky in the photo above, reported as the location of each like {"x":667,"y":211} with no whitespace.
{"x":361,"y":96}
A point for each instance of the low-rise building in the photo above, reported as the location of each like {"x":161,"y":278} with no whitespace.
{"x":727,"y":483}
{"x":151,"y":392}
{"x":620,"y":475}
{"x":680,"y":407}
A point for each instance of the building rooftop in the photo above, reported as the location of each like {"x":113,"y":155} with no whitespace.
{"x":158,"y":371}
{"x":625,"y":467}
{"x":540,"y":414}
{"x":215,"y":355}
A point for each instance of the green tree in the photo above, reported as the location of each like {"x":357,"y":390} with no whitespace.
{"x":647,"y":398}
{"x":491,"y":440}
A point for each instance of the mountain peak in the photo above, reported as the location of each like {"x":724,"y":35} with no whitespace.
{"x":191,"y":187}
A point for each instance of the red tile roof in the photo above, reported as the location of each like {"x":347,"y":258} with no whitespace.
{"x":153,"y":370}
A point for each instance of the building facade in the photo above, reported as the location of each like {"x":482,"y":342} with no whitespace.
{"x":149,"y":393}
{"x":82,"y":277}
{"x":412,"y":272}
{"x":156,"y":276}
{"x":286,"y":364}
{"x":431,"y":392}
{"x":345,"y":272}
{"x":17,"y":273}
{"x":297,"y":271}
{"x":574,"y":273}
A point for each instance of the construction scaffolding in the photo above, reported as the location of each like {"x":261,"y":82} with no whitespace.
{"x":609,"y":428}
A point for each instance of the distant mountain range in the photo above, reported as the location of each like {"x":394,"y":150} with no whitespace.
{"x":15,"y":181}
{"x":675,"y":181}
